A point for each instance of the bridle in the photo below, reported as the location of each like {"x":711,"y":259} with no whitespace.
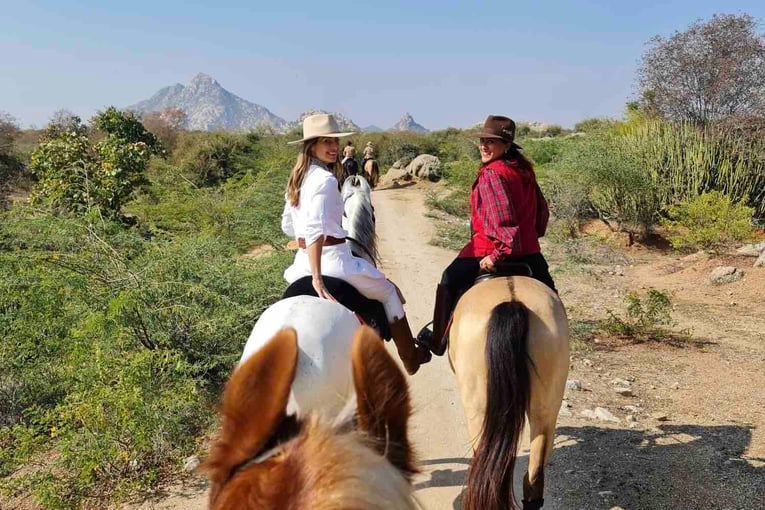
{"x":289,"y":429}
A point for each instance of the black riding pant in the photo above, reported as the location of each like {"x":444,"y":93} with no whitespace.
{"x":461,"y":272}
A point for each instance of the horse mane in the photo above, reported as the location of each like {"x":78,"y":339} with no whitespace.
{"x":333,"y":482}
{"x":357,"y":200}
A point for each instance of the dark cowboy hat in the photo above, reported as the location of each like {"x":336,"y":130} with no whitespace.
{"x":497,"y":126}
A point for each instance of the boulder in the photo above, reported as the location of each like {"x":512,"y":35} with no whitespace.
{"x":751,"y":250}
{"x":760,"y":262}
{"x":402,"y":162}
{"x":393,"y":176}
{"x":425,"y":166}
{"x":725,"y":274}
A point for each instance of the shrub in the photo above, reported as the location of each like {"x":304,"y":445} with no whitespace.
{"x":688,"y":161}
{"x":594,"y":124}
{"x":708,"y":222}
{"x":75,"y":175}
{"x":116,"y":341}
{"x":208,"y":159}
{"x":645,"y":318}
{"x":604,"y":174}
{"x":553,"y":130}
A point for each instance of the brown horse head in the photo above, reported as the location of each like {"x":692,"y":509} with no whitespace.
{"x":264,"y":459}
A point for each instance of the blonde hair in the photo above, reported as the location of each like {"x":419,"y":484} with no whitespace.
{"x":292,"y":193}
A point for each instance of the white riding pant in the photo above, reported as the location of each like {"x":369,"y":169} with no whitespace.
{"x":338,"y":261}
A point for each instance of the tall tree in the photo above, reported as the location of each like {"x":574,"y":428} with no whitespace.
{"x":76,"y":175}
{"x":713,"y":69}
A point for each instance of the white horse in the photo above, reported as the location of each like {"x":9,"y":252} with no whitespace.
{"x":323,"y":380}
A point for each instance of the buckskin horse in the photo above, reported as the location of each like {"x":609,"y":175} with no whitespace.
{"x":267,"y":459}
{"x":372,"y":172}
{"x":509,"y":349}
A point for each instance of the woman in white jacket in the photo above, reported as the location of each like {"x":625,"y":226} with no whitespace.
{"x":313,"y":214}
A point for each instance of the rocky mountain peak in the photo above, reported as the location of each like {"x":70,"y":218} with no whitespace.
{"x":209,"y":106}
{"x":343,"y":122}
{"x":407,"y":123}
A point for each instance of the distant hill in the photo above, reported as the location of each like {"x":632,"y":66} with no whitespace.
{"x":343,"y":122}
{"x":372,"y":129}
{"x":407,"y":123}
{"x":209,"y":106}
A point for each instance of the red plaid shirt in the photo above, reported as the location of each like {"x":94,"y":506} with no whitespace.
{"x":508,"y":212}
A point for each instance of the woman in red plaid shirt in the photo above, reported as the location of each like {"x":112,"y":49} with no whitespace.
{"x":508,"y":215}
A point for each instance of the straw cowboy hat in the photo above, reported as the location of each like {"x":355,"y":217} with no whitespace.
{"x":497,"y":126}
{"x":320,"y":125}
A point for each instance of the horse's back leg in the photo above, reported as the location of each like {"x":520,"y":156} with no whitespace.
{"x":542,"y":417}
{"x":541,"y":435}
{"x":470,"y":370}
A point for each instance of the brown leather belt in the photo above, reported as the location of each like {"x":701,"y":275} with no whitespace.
{"x":328,"y":241}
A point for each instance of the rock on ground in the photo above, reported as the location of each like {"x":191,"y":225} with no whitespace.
{"x":725,"y":274}
{"x":751,"y":250}
{"x":425,"y":166}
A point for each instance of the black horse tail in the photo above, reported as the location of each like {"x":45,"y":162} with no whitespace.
{"x":490,"y":480}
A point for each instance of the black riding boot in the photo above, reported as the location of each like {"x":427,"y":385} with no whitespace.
{"x":434,"y":340}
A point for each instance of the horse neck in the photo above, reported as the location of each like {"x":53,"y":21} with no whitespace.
{"x":361,"y":226}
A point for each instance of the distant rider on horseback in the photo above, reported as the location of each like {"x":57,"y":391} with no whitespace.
{"x":350,"y":165}
{"x":313,"y":214}
{"x":369,"y":153}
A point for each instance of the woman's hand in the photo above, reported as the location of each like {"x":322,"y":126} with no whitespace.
{"x":321,"y":290}
{"x":487,"y":265}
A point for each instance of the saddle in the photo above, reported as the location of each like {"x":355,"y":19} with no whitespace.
{"x":369,"y":310}
{"x":503,"y":269}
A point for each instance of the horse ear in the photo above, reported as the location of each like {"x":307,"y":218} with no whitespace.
{"x":382,"y":396}
{"x":254,"y":404}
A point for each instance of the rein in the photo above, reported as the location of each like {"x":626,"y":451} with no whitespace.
{"x":366,"y":250}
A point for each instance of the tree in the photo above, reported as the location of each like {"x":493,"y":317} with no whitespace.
{"x":9,"y":131}
{"x":713,"y":69}
{"x":10,"y":165}
{"x":166,"y":125}
{"x":74,"y":174}
{"x":126,"y":127}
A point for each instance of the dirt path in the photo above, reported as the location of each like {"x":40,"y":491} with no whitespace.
{"x":694,"y":437}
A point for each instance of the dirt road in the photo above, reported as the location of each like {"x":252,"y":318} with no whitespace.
{"x":690,"y":436}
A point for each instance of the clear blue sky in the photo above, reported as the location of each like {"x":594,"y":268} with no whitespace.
{"x":448,"y":63}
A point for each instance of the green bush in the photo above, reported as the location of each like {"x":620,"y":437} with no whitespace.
{"x":117,"y":339}
{"x":689,"y":161}
{"x":594,"y":124}
{"x":709,"y":222}
{"x":646,"y":317}
{"x":603,"y":173}
{"x":76,"y":175}
{"x":208,"y":159}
